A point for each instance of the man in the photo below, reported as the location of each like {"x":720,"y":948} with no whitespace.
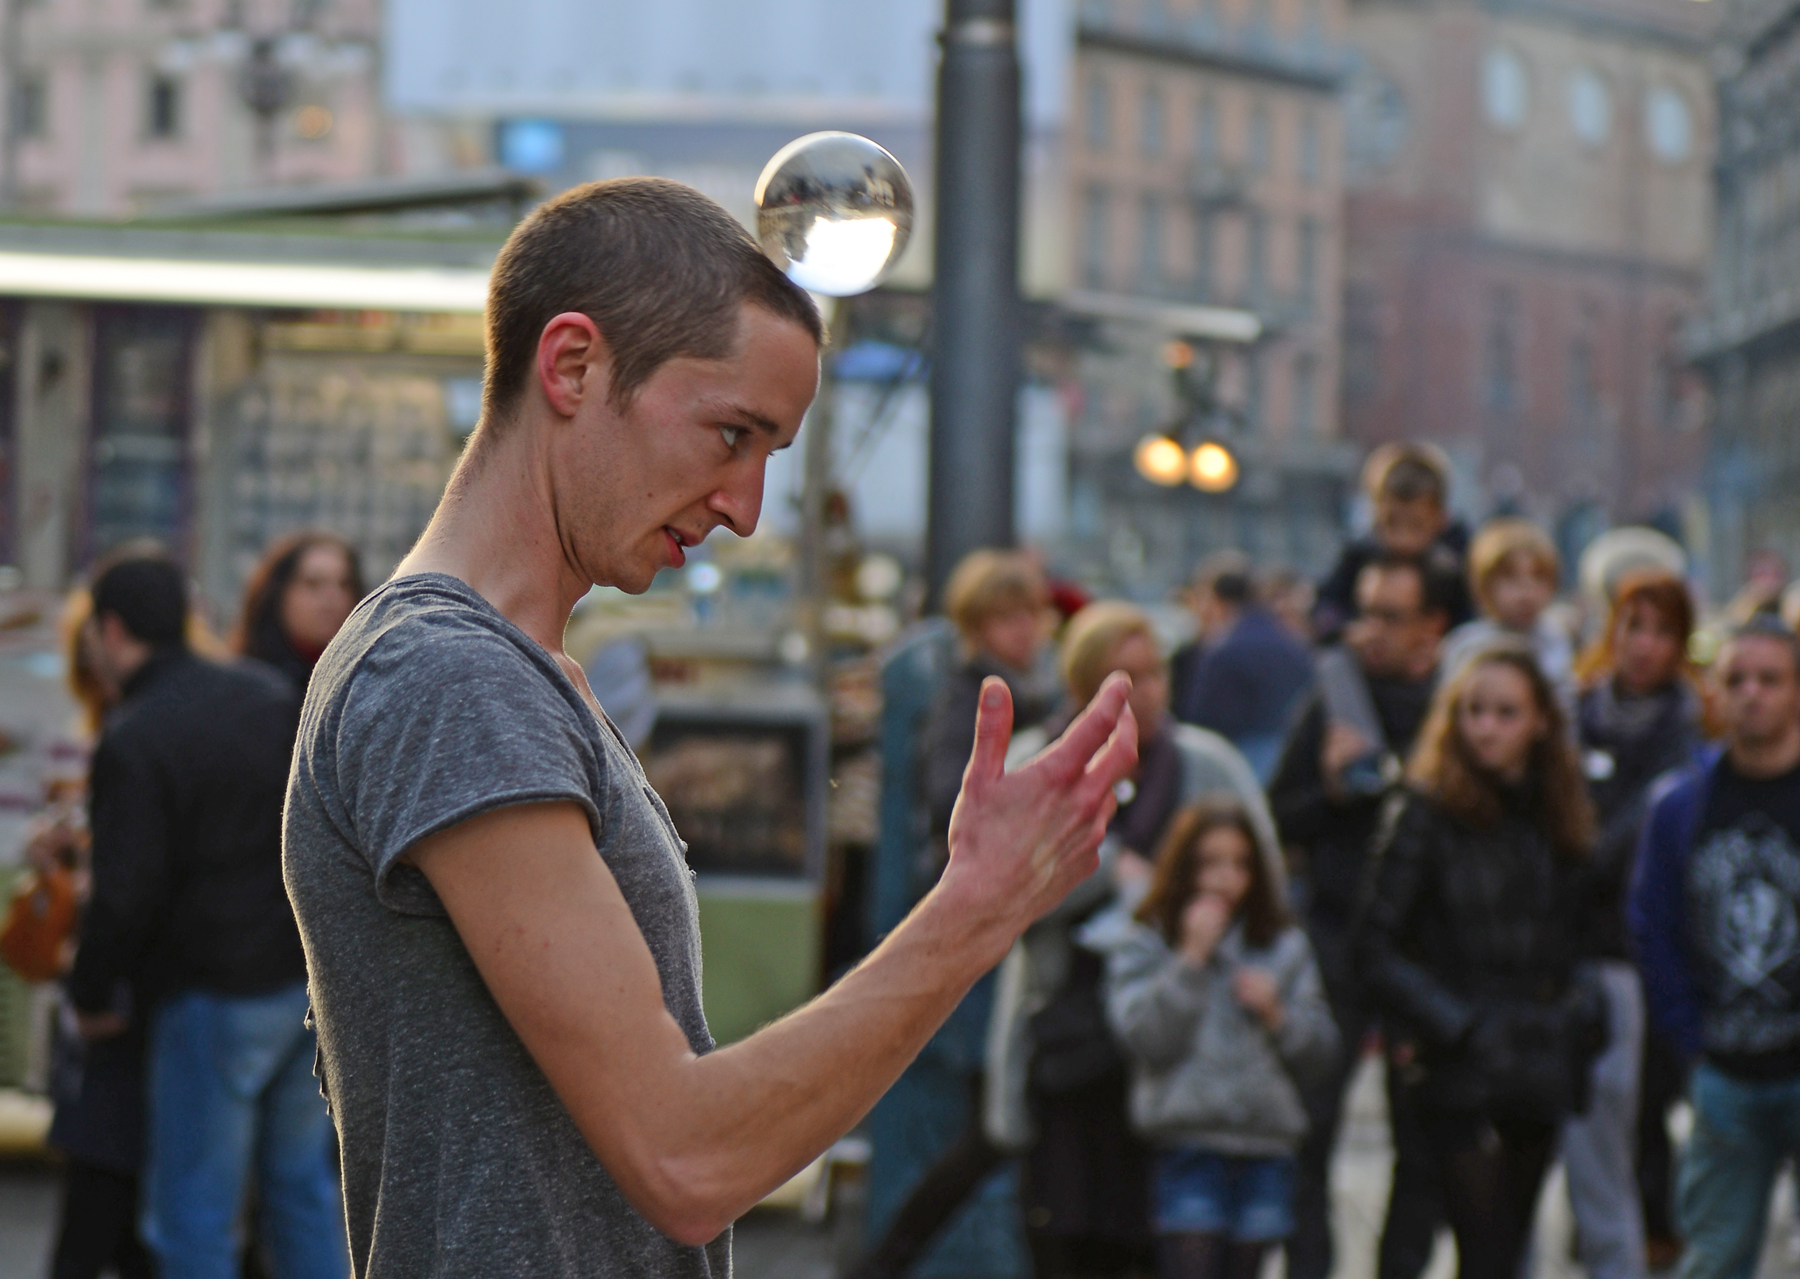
{"x":509,"y":1024}
{"x":1244,"y":673}
{"x":1335,"y":772}
{"x":189,"y":917}
{"x":1713,"y":911}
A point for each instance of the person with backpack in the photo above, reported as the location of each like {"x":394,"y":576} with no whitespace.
{"x":1218,"y":1001}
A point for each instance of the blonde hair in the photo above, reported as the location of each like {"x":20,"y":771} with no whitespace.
{"x":988,"y":583}
{"x":1091,"y":637}
{"x":1500,"y":540}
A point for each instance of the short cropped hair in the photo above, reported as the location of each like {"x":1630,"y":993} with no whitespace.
{"x":987,"y":583}
{"x":1770,"y":627}
{"x":147,"y":592}
{"x":1225,"y":575}
{"x":1436,"y":570}
{"x":661,"y":269}
{"x":1500,"y":540}
{"x":1090,"y":639}
{"x":1407,"y":472}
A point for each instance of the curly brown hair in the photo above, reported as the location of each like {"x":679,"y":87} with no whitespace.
{"x":1172,"y":884}
{"x":1445,"y":772}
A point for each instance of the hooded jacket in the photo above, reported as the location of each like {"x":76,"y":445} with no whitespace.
{"x":1206,"y":1072}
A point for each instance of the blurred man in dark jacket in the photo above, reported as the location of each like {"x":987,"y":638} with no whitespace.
{"x":190,"y":916}
{"x":1341,"y":761}
{"x":1244,"y":673}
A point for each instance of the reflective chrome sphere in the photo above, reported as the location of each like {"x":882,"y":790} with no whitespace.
{"x":835,"y":211}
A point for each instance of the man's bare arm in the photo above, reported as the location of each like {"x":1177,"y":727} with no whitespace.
{"x":695,"y":1141}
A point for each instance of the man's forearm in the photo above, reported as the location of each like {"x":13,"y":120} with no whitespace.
{"x":760,"y":1110}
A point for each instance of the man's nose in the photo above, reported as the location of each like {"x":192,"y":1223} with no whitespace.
{"x":739,"y":502}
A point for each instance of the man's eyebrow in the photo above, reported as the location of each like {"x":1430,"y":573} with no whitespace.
{"x":767,"y":425}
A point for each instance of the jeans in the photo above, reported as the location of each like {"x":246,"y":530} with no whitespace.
{"x":1597,"y":1146}
{"x":1245,"y":1200}
{"x":1743,"y":1129}
{"x":232,"y":1092}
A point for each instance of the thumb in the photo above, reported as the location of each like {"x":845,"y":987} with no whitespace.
{"x":993,"y":732}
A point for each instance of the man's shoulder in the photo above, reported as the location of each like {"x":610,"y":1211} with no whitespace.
{"x":424,"y":633}
{"x":193,"y":691}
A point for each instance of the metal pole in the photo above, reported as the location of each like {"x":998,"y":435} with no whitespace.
{"x":975,"y":290}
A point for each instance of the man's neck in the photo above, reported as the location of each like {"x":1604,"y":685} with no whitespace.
{"x":1764,"y":759}
{"x":496,"y":529}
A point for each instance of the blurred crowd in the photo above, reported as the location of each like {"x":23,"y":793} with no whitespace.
{"x":1515,"y":841}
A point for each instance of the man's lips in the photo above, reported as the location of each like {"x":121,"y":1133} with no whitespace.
{"x":677,"y":556}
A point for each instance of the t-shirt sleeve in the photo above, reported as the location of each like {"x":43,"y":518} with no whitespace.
{"x":434,"y":733}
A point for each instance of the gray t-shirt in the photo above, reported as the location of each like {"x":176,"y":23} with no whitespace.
{"x":458,"y":1158}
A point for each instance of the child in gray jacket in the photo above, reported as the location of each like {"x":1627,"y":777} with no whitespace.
{"x":1217,"y":999}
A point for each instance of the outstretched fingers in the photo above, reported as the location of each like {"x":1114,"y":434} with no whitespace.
{"x":993,"y":733}
{"x":1092,"y":729}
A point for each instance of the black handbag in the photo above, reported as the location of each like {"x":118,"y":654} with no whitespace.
{"x":1071,"y":1044}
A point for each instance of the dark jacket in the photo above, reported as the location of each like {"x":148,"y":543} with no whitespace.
{"x":1334,"y":603}
{"x":1656,"y":909}
{"x":1247,"y":685}
{"x":1467,"y":945}
{"x":1334,"y":832}
{"x":950,"y":731}
{"x":1627,"y":743}
{"x":187,"y":787}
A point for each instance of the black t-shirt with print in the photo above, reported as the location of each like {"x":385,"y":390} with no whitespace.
{"x":1743,"y":894}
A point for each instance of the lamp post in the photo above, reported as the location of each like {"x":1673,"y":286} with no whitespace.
{"x":975,"y":288}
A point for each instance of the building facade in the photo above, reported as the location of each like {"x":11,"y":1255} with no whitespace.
{"x":1748,"y":341}
{"x":1527,"y":231}
{"x":1206,"y":172}
{"x":128,"y":106}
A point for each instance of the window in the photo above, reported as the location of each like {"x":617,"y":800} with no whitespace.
{"x":1150,"y":122}
{"x":1306,"y":288}
{"x":1150,"y":242}
{"x":1094,"y":236}
{"x":1253,"y":387}
{"x":31,"y":117}
{"x":1205,"y":234}
{"x":1668,"y":124}
{"x":1306,"y":394}
{"x":1590,"y":106}
{"x":1262,"y":128}
{"x":1256,"y":253}
{"x":1099,"y":114}
{"x":1206,"y":132}
{"x":1362,"y":341}
{"x":1584,"y":396}
{"x":1309,"y":148}
{"x":1500,"y":356}
{"x":1505,"y":89}
{"x":163,"y":110}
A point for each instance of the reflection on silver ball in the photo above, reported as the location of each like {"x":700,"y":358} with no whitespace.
{"x":835,"y":211}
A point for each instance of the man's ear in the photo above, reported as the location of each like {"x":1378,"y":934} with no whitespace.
{"x":574,"y":362}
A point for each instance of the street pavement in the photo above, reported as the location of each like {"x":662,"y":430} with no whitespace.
{"x":778,"y":1245}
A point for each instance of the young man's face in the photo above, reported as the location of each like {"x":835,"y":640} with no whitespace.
{"x":1408,"y":527}
{"x":686,"y":456}
{"x":1761,"y":689}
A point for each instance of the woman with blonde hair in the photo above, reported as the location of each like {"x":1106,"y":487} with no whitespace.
{"x":1476,"y":916}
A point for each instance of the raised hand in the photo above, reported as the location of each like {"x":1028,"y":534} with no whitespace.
{"x":1020,"y":841}
{"x":1257,"y":991}
{"x":1203,"y":922}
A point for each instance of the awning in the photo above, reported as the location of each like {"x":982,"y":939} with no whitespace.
{"x":250,"y":284}
{"x":1220,"y":323}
